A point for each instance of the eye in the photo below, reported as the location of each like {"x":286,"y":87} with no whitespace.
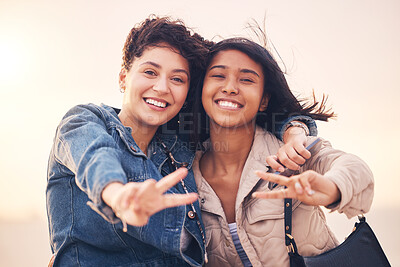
{"x":220,"y":76}
{"x":150,"y":72}
{"x":247,"y":80}
{"x":177,"y":79}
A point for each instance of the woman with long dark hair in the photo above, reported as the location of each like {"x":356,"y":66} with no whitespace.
{"x":243,"y":91}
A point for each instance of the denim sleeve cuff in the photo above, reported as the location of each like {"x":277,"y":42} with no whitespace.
{"x":99,"y":206}
{"x":310,"y":122}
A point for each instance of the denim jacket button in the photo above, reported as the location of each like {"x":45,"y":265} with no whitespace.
{"x":203,"y":200}
{"x":191,"y":214}
{"x":185,"y":164}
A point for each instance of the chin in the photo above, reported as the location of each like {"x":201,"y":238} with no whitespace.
{"x":233,"y":124}
{"x":156,"y":122}
{"x":226,"y":124}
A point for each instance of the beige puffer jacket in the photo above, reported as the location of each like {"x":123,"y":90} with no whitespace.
{"x":260,"y":224}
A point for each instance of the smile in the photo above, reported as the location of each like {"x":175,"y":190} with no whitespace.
{"x":156,"y":103}
{"x":228,"y":104}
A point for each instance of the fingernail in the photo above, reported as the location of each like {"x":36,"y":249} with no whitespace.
{"x":311,"y":192}
{"x":281,"y":169}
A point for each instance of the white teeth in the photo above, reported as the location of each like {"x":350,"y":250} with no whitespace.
{"x":156,"y":103}
{"x":228,"y":104}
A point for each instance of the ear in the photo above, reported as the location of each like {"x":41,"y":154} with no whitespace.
{"x":264,"y":103}
{"x":122,"y":78}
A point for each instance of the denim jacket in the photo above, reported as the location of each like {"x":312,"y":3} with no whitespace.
{"x":91,"y":149}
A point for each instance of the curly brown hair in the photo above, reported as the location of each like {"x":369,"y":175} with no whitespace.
{"x":155,"y":30}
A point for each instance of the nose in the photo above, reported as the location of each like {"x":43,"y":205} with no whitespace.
{"x":231,"y":87}
{"x":161,"y":85}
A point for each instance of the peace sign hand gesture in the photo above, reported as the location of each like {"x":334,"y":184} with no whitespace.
{"x":135,"y":202}
{"x":309,"y":187}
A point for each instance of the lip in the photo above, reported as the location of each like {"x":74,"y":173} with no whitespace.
{"x":153,"y":106}
{"x":228,"y":103}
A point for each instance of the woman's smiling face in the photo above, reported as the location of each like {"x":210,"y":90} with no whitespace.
{"x":233,"y":90}
{"x":156,"y":86}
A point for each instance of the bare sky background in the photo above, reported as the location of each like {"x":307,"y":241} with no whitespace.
{"x":56,"y":54}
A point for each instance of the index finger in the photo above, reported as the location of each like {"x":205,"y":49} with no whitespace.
{"x":273,"y":162}
{"x":302,"y":150}
{"x":174,"y":200}
{"x":275,"y":178}
{"x":171,"y":179}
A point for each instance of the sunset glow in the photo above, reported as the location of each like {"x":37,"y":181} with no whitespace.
{"x":56,"y":54}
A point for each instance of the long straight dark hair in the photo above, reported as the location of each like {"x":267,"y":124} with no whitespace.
{"x":282,"y":103}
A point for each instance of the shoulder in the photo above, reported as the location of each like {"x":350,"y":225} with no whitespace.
{"x":87,"y":119}
{"x":90,"y":113}
{"x":265,"y":143}
{"x":264,"y":136}
{"x":91,"y":109}
{"x":83,"y":112}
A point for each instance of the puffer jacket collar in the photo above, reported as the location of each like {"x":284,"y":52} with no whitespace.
{"x":248,"y":180}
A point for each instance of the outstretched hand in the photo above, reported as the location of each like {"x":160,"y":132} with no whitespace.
{"x":309,"y":187}
{"x":135,"y":202}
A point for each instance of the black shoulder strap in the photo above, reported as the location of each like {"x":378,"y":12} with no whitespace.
{"x":289,"y":240}
{"x":288,"y":220}
{"x":295,"y":259}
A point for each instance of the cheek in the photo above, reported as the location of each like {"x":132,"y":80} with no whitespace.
{"x":206,"y":94}
{"x":257,"y":95}
{"x":180,"y":95}
{"x":205,"y":98}
{"x":137,"y":85}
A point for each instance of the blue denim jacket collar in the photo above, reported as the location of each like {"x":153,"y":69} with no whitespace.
{"x":160,"y":158}
{"x":156,"y":152}
{"x":125,"y":131}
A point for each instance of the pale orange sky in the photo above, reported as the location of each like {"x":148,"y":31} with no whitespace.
{"x":55,"y":55}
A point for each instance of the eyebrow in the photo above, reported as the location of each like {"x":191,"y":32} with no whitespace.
{"x":241,"y":70}
{"x":158,"y":66}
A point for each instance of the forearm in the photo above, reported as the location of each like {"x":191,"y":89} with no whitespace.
{"x":350,"y":174}
{"x":355,"y":182}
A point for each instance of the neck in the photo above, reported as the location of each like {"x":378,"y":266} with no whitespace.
{"x":142,"y":134}
{"x":230,"y":147}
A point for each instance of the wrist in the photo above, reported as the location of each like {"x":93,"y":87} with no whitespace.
{"x":292,"y":132}
{"x":109,"y":193}
{"x":336,"y":197}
